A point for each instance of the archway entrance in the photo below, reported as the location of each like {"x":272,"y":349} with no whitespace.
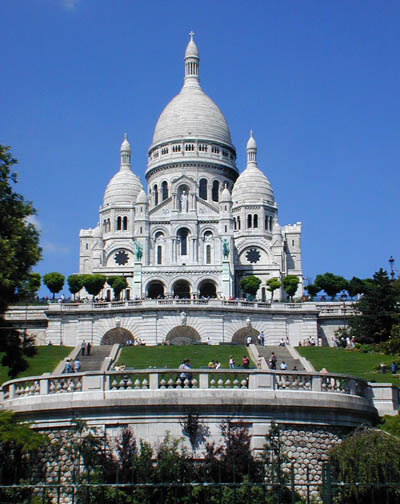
{"x":182,"y":289}
{"x":240,"y":336}
{"x":116,"y":335}
{"x":208,"y":289}
{"x":155,"y":290}
{"x":183,"y":335}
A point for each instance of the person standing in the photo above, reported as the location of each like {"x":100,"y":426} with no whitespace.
{"x":88,"y":348}
{"x":231,"y":362}
{"x":272,"y":361}
{"x":83,"y":347}
{"x":77,"y":365}
{"x":249,"y":340}
{"x":262,"y":338}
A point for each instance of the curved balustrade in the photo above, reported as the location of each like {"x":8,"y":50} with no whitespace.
{"x":159,"y":379}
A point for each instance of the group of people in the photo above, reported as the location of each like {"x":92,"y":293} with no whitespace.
{"x":393,"y":367}
{"x":72,"y":367}
{"x":85,"y":348}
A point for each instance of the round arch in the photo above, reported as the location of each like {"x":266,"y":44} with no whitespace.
{"x":181,"y":289}
{"x":207,"y":288}
{"x":116,"y":335}
{"x":240,"y":336}
{"x":183,"y":335}
{"x":155,"y":290}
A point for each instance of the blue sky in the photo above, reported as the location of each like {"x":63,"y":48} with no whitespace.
{"x":317,"y":81}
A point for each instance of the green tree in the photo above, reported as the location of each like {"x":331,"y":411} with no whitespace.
{"x":365,"y":461}
{"x":290,"y":283}
{"x":377,"y":310}
{"x":94,"y":284}
{"x":355,"y":286}
{"x":30,"y":286}
{"x":54,"y":282}
{"x":19,"y":251}
{"x":249,"y":285}
{"x":330,"y":283}
{"x":118,"y":284}
{"x":19,"y":239}
{"x":75,"y":283}
{"x":312,"y":290}
{"x":272,"y":285}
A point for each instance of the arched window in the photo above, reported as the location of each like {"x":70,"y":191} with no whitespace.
{"x":208,"y":254}
{"x":270,"y":223}
{"x":118,"y":223}
{"x":108,"y":225}
{"x":266,"y":223}
{"x":215,"y":191}
{"x":234,"y":223}
{"x":183,"y":239}
{"x":203,"y":189}
{"x":249,"y":221}
{"x":155,"y":191}
{"x":105,"y":225}
{"x":164,"y":188}
{"x":125,"y":223}
{"x":159,"y":254}
{"x":255,"y":221}
{"x":238,"y":223}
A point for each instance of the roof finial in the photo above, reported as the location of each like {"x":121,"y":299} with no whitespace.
{"x":191,"y":33}
{"x":125,"y":136}
{"x":251,"y":133}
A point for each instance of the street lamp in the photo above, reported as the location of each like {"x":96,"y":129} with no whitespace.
{"x":391,"y":261}
{"x":343,"y":298}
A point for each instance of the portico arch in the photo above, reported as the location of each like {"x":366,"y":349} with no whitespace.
{"x":155,"y":290}
{"x":183,"y":335}
{"x":181,"y":289}
{"x":241,"y":335}
{"x":207,"y":288}
{"x":116,"y":335}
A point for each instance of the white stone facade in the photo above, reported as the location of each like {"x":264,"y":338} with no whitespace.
{"x":201,"y":226}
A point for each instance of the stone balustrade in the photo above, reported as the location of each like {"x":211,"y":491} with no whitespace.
{"x":178,"y":303}
{"x":159,"y":379}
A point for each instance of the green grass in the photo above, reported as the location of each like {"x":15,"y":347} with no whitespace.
{"x":142,"y":357}
{"x":45,"y":360}
{"x":339,"y":360}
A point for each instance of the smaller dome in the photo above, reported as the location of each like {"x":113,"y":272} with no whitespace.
{"x":251,"y":144}
{"x":142,"y":197}
{"x":225,"y":195}
{"x":125,"y":146}
{"x":123,"y":188}
{"x":252,"y":186}
{"x":191,"y":49}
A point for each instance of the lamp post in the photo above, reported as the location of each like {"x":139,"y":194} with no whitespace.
{"x":391,"y":261}
{"x":343,"y":298}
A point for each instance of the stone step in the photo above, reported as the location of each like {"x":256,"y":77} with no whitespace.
{"x":282,"y":354}
{"x":94,"y":361}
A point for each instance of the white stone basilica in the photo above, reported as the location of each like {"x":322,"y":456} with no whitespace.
{"x":201,"y":227}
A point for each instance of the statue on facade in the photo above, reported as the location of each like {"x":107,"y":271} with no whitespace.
{"x":138,"y":250}
{"x":225,"y":249}
{"x":184,"y":202}
{"x":183,"y":318}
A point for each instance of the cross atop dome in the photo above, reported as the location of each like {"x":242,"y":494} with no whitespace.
{"x":191,"y":33}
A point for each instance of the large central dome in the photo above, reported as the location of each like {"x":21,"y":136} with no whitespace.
{"x":191,"y":114}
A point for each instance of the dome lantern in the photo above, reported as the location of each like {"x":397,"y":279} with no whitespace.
{"x":192,"y":63}
{"x":125,"y":152}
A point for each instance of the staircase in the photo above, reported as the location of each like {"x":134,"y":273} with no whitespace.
{"x":94,"y":361}
{"x":282,"y":354}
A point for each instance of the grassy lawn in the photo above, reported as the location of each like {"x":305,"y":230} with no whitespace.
{"x":339,"y":360}
{"x":142,"y":357}
{"x":45,"y":360}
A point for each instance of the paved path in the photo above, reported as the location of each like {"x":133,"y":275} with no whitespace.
{"x":282,"y":354}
